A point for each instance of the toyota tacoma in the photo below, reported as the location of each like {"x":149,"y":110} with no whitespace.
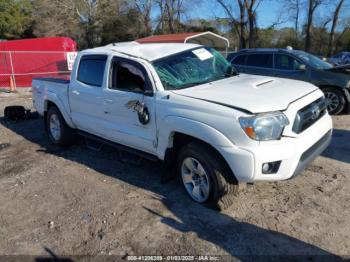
{"x":185,"y":105}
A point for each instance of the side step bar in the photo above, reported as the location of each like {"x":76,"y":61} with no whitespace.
{"x":118,"y":146}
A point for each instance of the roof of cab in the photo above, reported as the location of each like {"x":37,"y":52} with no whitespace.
{"x":149,"y":52}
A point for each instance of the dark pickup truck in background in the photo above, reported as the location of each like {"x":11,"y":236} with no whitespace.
{"x":334,"y":81}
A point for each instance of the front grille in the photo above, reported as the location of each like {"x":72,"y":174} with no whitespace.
{"x":309,"y":115}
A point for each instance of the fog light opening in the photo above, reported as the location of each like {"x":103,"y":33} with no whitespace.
{"x":266,"y":167}
{"x":271,"y":167}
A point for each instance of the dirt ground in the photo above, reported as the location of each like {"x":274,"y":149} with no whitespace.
{"x":82,"y":202}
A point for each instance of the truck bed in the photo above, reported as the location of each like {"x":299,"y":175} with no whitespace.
{"x":63,"y":80}
{"x":46,"y":88}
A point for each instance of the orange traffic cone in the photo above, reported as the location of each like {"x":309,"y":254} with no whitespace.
{"x":12,"y":84}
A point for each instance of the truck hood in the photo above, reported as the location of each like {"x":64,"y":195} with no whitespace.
{"x":345,"y":69}
{"x":255,"y":94}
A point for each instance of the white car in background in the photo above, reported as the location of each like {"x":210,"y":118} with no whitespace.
{"x":342,"y":58}
{"x":183,"y":104}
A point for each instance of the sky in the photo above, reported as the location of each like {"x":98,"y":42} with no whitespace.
{"x":268,"y":11}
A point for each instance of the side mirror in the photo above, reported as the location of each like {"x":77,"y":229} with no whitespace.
{"x":231,"y":71}
{"x":301,"y":68}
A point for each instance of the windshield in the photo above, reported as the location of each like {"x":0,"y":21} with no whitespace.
{"x":312,"y":60}
{"x":192,"y":67}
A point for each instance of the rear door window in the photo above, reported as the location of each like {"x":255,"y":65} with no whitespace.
{"x":91,"y":69}
{"x":286,"y":62}
{"x":259,"y":60}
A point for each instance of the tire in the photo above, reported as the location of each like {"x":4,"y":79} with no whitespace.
{"x":336,"y":100}
{"x":64,"y":135}
{"x":217,"y":188}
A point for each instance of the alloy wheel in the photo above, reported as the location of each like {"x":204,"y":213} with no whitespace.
{"x":333,"y":101}
{"x":195,"y":179}
{"x":55,"y":127}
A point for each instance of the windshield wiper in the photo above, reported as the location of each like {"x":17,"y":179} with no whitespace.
{"x":194,"y":84}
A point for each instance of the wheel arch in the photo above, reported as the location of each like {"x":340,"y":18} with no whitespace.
{"x":322,"y":86}
{"x":177,"y":124}
{"x":49,"y":103}
{"x":178,"y":140}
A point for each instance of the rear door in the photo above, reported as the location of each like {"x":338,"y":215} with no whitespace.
{"x":257,"y":64}
{"x":86,"y":93}
{"x":287,"y":66}
{"x":260,"y":64}
{"x":129,"y":89}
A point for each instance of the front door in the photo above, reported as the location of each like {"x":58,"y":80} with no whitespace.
{"x":287,"y":66}
{"x":129,"y":106}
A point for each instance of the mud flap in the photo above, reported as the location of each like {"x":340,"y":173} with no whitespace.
{"x":168,"y":166}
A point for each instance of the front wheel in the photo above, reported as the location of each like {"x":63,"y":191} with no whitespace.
{"x":335,"y":100}
{"x":205,"y":176}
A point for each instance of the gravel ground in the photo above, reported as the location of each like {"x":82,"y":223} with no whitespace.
{"x":82,"y":202}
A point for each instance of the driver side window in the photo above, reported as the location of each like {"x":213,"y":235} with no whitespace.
{"x":127,"y":76}
{"x":286,"y":62}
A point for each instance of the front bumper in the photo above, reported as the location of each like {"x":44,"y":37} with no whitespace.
{"x":295,"y":153}
{"x":313,"y":152}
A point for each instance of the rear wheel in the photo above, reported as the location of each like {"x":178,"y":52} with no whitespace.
{"x":335,"y":100}
{"x":205,"y":176}
{"x":58,"y":131}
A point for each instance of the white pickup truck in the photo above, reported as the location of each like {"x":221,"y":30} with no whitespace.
{"x":185,"y":105}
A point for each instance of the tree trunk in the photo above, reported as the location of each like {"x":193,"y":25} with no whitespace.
{"x":334,"y":25}
{"x":251,"y":21}
{"x":170,"y":13}
{"x":296,"y":23}
{"x":160,"y":25}
{"x":308,"y":26}
{"x":237,"y":25}
{"x":313,"y":4}
{"x":242,"y":41}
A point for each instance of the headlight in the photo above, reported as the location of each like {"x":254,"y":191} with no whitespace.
{"x":264,"y":127}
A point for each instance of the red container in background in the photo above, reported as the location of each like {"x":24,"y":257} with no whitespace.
{"x":39,"y":57}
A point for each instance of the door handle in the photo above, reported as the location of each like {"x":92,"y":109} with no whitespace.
{"x":75,"y":92}
{"x":108,"y":101}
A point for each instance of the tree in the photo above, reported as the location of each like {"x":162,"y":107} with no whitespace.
{"x":239,"y":25}
{"x":92,"y":22}
{"x":247,"y":15}
{"x":312,"y":6}
{"x":333,"y":27}
{"x":15,"y":19}
{"x":58,"y":18}
{"x":251,"y":6}
{"x":170,"y":18}
{"x":144,"y":7}
{"x":294,"y":8}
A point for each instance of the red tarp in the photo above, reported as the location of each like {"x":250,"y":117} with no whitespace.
{"x":34,"y":58}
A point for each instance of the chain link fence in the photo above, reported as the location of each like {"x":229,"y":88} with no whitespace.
{"x":18,"y":68}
